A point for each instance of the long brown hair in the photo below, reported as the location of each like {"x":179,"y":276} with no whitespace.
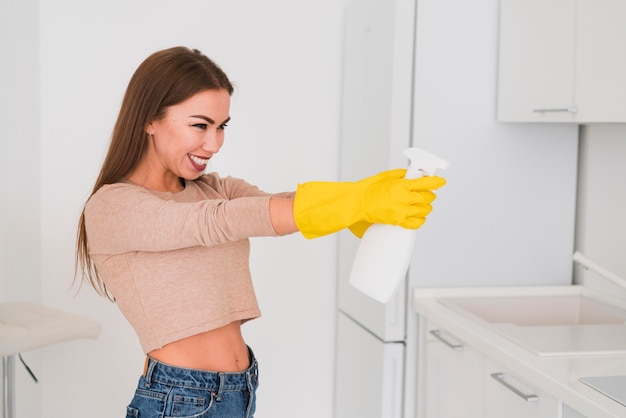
{"x":164,"y":79}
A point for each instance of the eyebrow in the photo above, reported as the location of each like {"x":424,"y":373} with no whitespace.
{"x":208,"y":119}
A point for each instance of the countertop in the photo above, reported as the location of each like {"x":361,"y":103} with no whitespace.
{"x":556,"y":375}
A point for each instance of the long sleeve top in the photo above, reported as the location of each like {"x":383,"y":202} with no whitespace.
{"x":177,"y":264}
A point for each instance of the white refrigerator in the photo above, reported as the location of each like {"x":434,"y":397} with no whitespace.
{"x":424,"y":73}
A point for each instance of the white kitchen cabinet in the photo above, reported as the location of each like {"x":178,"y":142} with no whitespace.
{"x":562,"y":61}
{"x":452,"y":377}
{"x":458,"y":381}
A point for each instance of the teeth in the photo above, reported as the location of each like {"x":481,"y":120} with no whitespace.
{"x":198,"y":160}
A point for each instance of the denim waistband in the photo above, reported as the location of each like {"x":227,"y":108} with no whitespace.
{"x":199,"y":379}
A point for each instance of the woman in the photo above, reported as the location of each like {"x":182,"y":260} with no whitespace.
{"x":169,"y":243}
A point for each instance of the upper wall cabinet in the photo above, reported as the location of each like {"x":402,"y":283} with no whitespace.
{"x":562,"y":61}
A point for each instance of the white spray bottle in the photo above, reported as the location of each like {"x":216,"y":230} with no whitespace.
{"x":385,"y":251}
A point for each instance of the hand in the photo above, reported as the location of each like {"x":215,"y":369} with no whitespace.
{"x":423,"y":183}
{"x":324,"y":207}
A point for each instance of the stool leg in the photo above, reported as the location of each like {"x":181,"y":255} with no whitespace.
{"x":8,"y":386}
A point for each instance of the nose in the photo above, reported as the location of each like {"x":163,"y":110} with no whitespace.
{"x":213,"y":142}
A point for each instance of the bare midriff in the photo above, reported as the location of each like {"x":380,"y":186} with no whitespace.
{"x":220,"y":350}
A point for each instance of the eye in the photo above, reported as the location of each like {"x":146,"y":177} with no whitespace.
{"x":202,"y":126}
{"x":222,"y":127}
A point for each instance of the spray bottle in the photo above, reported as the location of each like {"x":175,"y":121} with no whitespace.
{"x":385,"y":251}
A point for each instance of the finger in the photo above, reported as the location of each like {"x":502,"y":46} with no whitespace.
{"x":397,"y":173}
{"x":421,"y":196}
{"x":414,"y":223}
{"x":420,"y":210}
{"x":359,"y":228}
{"x":427,"y":183}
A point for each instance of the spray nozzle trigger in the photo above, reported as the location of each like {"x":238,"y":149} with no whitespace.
{"x":422,"y":163}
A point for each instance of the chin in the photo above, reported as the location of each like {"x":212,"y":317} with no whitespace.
{"x":190,"y":177}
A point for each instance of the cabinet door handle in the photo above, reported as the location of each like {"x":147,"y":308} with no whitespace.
{"x":500,"y":378}
{"x":437,"y":334}
{"x":557,"y":110}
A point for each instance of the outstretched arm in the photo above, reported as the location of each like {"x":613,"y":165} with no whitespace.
{"x":281,"y":214}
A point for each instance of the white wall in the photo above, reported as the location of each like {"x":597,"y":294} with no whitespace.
{"x":20,"y":248}
{"x":601,"y":227}
{"x":19,"y":151}
{"x":284,"y":56}
{"x":508,"y":183}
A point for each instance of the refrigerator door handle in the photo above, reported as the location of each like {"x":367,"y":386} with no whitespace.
{"x":437,"y":334}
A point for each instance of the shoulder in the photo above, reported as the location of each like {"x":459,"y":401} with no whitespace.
{"x":117,"y":194}
{"x":111,"y":191}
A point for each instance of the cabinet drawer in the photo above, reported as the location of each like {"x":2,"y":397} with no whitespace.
{"x":507,"y":395}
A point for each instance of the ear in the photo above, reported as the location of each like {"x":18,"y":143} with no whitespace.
{"x":150,"y":129}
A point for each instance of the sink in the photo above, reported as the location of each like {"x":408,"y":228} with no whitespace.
{"x":612,"y":386}
{"x":540,"y":310}
{"x":551,"y":325}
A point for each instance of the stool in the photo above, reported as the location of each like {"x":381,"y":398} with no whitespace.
{"x":25,"y":326}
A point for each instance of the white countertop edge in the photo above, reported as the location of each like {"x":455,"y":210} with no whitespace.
{"x":448,"y":292}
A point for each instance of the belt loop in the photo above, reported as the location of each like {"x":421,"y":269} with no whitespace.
{"x":252,"y":370}
{"x":149,"y":369}
{"x":253,"y":363}
{"x":220,"y":390}
{"x":250,"y":376}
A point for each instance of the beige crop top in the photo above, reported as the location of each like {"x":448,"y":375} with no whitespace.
{"x":178,"y":263}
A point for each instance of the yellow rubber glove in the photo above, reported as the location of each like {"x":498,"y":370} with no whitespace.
{"x":360,"y":227}
{"x":322,"y":208}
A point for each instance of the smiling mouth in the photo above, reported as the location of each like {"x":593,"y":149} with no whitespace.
{"x":198,"y":163}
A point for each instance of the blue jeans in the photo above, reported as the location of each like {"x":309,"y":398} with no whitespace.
{"x":167,"y":391}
